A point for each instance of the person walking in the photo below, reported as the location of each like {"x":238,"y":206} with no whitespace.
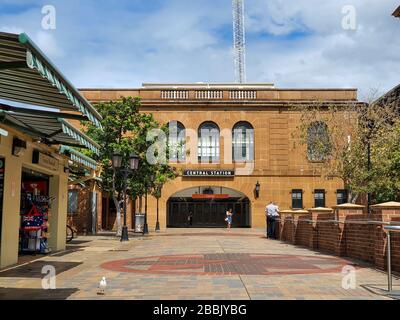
{"x":190,"y":219}
{"x":228,"y":218}
{"x":272,"y":213}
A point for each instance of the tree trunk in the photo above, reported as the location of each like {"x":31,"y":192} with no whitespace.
{"x":140,"y":204}
{"x":118,"y":208}
{"x":119,"y":224}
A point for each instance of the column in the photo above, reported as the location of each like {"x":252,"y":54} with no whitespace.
{"x":385,"y":213}
{"x":58,"y":218}
{"x":316,"y":214}
{"x":11,"y":212}
{"x":344,"y":213}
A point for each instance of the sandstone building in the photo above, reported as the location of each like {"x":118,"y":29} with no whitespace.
{"x":268,"y":164}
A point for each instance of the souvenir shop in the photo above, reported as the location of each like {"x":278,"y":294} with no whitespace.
{"x":33,"y":172}
{"x":35,"y":213}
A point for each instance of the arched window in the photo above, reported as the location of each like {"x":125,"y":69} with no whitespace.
{"x":243,"y":142}
{"x":176,"y":141}
{"x":208,"y":145}
{"x":318,"y":141}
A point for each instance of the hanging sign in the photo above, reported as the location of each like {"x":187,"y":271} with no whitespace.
{"x":45,"y":161}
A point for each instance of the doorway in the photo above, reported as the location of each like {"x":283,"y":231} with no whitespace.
{"x":207,"y":208}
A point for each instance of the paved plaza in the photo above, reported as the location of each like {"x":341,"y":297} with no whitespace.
{"x":196,"y":264}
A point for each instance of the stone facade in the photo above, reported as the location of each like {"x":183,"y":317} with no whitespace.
{"x":280,"y":162}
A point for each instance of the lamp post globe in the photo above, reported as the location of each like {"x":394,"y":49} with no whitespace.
{"x":117,"y":160}
{"x":134,"y":162}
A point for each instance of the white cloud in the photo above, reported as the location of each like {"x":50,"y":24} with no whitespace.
{"x":292,"y":43}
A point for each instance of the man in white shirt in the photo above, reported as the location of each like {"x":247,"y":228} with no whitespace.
{"x":272,"y":213}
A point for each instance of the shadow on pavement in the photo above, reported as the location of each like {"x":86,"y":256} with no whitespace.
{"x":34,"y":269}
{"x":35,"y":294}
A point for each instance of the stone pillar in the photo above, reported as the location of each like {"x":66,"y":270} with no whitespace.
{"x":345,"y":212}
{"x":315,"y":214}
{"x":297,"y":215}
{"x":11,"y":211}
{"x":284,"y":224}
{"x":58,"y":215}
{"x":385,"y":213}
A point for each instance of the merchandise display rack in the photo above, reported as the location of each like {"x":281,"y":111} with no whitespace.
{"x":35,"y":212}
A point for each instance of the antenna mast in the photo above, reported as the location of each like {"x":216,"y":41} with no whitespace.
{"x":239,"y":45}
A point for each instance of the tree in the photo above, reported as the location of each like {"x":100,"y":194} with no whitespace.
{"x":125,"y":129}
{"x":356,"y":147}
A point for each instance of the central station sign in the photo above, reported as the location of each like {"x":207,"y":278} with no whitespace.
{"x":209,"y":173}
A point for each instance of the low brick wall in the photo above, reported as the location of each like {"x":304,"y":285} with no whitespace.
{"x":345,"y":230}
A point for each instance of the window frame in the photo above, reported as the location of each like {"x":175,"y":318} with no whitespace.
{"x":180,"y":155}
{"x":76,"y":193}
{"x":295,"y":200}
{"x":315,"y":131}
{"x":344,"y":193}
{"x":323,"y":200}
{"x":212,"y":152}
{"x":247,"y":142}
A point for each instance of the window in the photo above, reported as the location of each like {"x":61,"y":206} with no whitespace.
{"x":176,"y":141}
{"x":319,"y":198}
{"x":342,"y":196}
{"x":297,"y":199}
{"x":72,"y":201}
{"x":208,"y":146}
{"x":318,"y":141}
{"x":243,"y":142}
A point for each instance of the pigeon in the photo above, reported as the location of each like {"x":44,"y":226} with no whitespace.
{"x":102,"y":286}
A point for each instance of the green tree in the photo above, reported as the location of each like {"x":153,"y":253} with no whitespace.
{"x":126,"y":130}
{"x":352,"y":130}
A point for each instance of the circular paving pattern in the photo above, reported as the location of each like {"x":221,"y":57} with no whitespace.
{"x":228,"y":264}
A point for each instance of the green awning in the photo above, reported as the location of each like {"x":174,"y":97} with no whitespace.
{"x":28,"y":76}
{"x":79,"y":157}
{"x":50,"y":130}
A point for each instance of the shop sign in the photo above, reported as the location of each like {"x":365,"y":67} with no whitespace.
{"x":45,"y":160}
{"x":209,"y":173}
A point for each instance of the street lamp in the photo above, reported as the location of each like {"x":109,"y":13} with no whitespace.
{"x":117,"y":161}
{"x":158,"y":196}
{"x":257,"y":190}
{"x":147,"y":185}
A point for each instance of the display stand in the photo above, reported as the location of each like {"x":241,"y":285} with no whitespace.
{"x":35,"y":212}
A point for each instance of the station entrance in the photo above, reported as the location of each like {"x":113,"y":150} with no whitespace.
{"x":206,"y":207}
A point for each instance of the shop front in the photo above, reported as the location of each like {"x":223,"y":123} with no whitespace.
{"x":34,"y":173}
{"x":34,"y":198}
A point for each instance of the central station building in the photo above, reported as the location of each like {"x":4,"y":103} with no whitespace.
{"x":271,"y":164}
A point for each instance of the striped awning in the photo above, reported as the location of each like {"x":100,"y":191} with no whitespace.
{"x":28,"y":76}
{"x":51,"y":130}
{"x":78,"y":157}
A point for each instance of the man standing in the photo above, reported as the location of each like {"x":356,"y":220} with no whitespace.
{"x":272,"y":213}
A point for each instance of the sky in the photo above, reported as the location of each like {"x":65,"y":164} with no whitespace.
{"x":291,"y":43}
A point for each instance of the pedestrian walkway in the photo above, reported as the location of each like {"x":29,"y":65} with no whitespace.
{"x":180,"y":264}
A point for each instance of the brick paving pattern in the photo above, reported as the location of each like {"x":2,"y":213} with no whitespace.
{"x":194,"y":264}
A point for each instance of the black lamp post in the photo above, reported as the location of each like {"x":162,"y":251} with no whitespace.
{"x":147,"y":185}
{"x":158,"y":196}
{"x":117,"y":161}
{"x":257,"y":190}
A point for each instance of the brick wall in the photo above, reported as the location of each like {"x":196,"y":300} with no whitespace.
{"x":345,"y":230}
{"x":81,"y":221}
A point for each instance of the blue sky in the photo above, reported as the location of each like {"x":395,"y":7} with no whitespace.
{"x":295,"y":44}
